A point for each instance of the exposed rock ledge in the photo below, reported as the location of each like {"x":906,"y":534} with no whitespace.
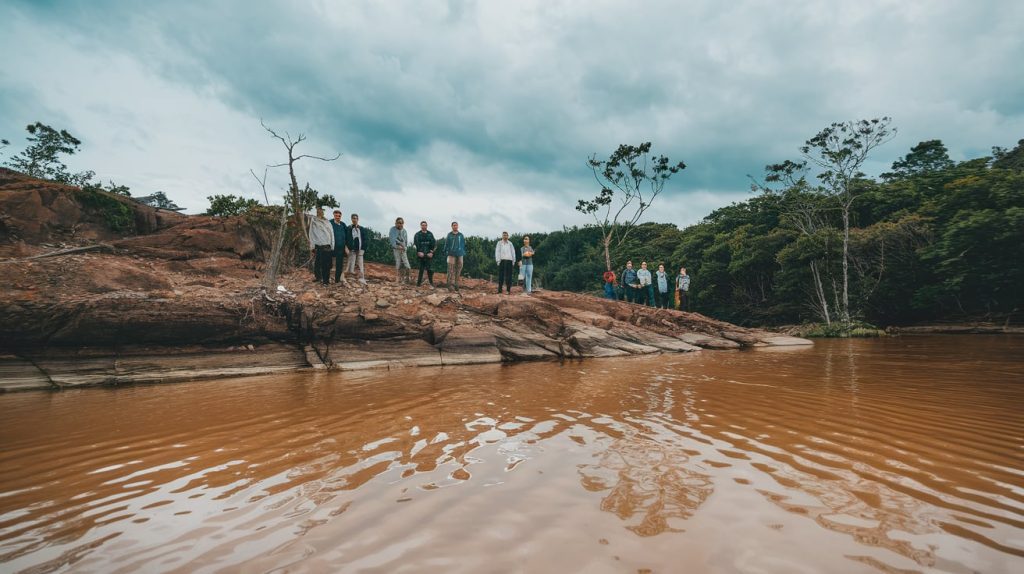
{"x":181,"y":302}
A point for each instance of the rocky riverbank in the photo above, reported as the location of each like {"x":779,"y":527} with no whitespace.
{"x":179,"y":299}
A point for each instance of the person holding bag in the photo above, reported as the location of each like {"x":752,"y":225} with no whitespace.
{"x":683,"y":289}
{"x":526,"y":265}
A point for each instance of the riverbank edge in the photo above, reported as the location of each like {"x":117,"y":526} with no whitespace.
{"x":69,"y":368}
{"x":814,"y":330}
{"x":395,"y":327}
{"x":117,"y":339}
{"x":954,"y":329}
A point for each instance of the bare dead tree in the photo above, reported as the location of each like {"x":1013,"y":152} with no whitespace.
{"x":294,"y":196}
{"x":289,"y":144}
{"x":263,"y":182}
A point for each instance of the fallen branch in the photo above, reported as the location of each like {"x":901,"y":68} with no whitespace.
{"x":73,"y":250}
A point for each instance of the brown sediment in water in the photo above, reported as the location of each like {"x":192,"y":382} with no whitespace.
{"x":865,"y":455}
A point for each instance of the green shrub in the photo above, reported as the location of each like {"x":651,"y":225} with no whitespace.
{"x":838,"y":330}
{"x":116,"y":214}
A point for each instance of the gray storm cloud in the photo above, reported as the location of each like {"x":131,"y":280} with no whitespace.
{"x":450,"y":109}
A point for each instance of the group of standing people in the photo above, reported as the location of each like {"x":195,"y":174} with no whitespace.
{"x":331,"y":241}
{"x":505,"y":258}
{"x":655,"y":290}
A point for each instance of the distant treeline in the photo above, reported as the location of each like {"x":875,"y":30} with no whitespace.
{"x":931,"y":240}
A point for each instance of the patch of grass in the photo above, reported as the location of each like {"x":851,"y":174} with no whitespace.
{"x":838,"y":330}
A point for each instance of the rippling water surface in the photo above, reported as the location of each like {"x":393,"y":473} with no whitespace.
{"x":894,"y":455}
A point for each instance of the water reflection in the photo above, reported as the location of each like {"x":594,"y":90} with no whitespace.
{"x":876,"y":455}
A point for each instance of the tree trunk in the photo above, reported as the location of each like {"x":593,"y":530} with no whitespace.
{"x":607,"y":255}
{"x":300,"y":218}
{"x":846,"y":264}
{"x":274,"y":264}
{"x":819,"y":292}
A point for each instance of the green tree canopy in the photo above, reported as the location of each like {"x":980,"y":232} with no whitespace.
{"x":42,"y":157}
{"x":228,"y":205}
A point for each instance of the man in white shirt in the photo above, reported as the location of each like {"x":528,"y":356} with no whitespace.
{"x":321,"y":243}
{"x":505,"y":257}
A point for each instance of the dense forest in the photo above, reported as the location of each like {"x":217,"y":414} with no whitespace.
{"x":930,"y":240}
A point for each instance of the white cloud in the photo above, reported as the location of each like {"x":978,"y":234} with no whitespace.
{"x":487,"y":110}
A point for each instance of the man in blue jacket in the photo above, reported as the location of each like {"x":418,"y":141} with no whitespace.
{"x":630,"y":282}
{"x":455,"y":249}
{"x":340,"y":238}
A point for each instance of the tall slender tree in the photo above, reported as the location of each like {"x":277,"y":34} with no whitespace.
{"x":840,"y":151}
{"x":630,"y":179}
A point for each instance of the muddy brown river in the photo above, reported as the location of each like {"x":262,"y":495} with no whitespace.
{"x":896,"y":455}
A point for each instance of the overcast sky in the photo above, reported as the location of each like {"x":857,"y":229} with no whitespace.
{"x":487,"y":111}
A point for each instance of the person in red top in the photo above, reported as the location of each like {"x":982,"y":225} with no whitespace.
{"x":609,"y":285}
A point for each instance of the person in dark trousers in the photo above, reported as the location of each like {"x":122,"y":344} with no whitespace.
{"x":505,"y":257}
{"x":630,"y":282}
{"x":321,"y":243}
{"x":662,"y":290}
{"x":683,"y":289}
{"x":358,"y":240}
{"x":340,"y":235}
{"x":425,"y":244}
{"x":645,"y":295}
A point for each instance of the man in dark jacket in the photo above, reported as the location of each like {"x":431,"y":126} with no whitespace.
{"x":340,"y":238}
{"x":358,"y":239}
{"x":425,"y":244}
